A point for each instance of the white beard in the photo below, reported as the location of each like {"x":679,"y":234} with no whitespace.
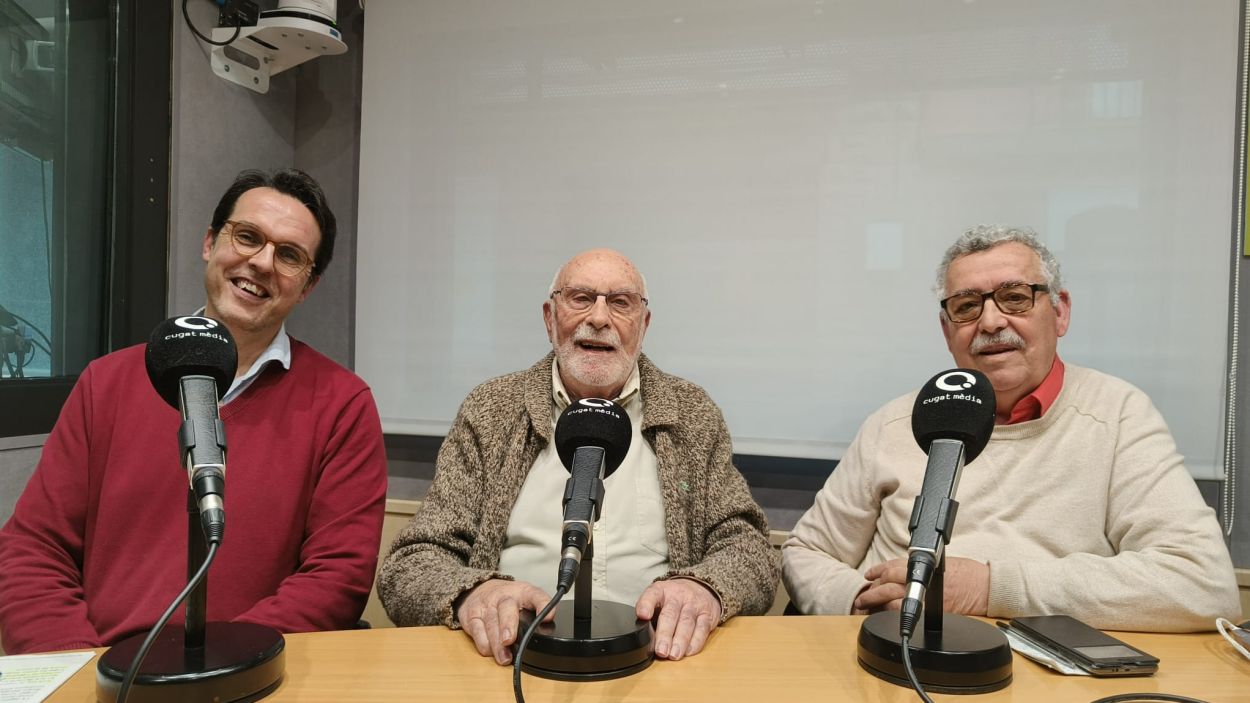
{"x":600,"y":372}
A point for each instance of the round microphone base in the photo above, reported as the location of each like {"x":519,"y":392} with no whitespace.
{"x":239,"y":662}
{"x":612,"y":644}
{"x":967,"y":656}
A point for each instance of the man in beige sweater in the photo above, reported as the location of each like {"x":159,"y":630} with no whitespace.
{"x":679,"y":538}
{"x":1080,"y":504}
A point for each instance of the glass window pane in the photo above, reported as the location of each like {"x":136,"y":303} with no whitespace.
{"x":54,"y":136}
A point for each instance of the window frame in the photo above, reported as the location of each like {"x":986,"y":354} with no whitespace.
{"x":136,"y":255}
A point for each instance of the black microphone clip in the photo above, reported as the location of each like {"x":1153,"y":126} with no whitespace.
{"x":207,"y":479}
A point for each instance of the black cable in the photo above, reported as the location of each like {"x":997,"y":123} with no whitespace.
{"x":31,"y":325}
{"x":29,"y":358}
{"x":911,"y":673}
{"x":525,"y":640}
{"x":133,"y":671}
{"x":41,"y":347}
{"x":15,"y":370}
{"x":206,"y":40}
{"x":35,"y":343}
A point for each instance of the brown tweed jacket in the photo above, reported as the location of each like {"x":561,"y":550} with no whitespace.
{"x":716,"y":531}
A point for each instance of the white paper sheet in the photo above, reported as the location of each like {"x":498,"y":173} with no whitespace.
{"x":30,"y":678}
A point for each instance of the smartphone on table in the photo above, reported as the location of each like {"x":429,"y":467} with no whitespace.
{"x":1093,"y":650}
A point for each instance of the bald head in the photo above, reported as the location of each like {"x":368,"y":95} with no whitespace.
{"x":600,"y":260}
{"x":596,"y":346}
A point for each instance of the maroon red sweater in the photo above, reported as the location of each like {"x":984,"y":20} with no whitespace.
{"x":96,"y":548}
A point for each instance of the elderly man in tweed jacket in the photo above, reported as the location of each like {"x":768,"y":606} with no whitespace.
{"x":680,"y":536}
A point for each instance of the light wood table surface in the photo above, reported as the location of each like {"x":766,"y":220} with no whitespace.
{"x":757,"y":659}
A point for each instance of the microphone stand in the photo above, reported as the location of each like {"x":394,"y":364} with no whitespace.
{"x":197,"y":603}
{"x":595,"y":641}
{"x":217,"y":661}
{"x":583,"y":611}
{"x":950,"y":653}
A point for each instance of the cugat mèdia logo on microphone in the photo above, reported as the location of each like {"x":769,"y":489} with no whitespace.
{"x":954,"y":383}
{"x":198,"y":327}
{"x":594,"y":405}
{"x":194,"y":322}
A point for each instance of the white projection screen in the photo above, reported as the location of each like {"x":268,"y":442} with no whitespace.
{"x":787,"y":173}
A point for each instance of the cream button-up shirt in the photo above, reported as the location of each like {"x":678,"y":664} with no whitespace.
{"x":629,"y":541}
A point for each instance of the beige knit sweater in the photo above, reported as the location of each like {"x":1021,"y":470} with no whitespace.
{"x":1087,"y":511}
{"x":716,"y":532}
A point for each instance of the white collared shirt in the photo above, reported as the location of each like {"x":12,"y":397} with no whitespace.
{"x":629,"y":540}
{"x":279,"y":351}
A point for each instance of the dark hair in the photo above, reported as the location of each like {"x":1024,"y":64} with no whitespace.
{"x":298,"y":185}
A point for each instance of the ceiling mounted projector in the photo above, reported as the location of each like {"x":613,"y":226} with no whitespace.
{"x":298,"y":30}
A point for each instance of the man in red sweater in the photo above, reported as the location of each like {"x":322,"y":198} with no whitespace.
{"x":97,"y":544}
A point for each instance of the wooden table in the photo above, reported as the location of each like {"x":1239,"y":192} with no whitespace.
{"x":758,"y":659}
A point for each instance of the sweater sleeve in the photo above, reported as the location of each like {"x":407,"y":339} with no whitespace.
{"x":820,"y":559}
{"x":737,"y":560}
{"x":42,"y":605}
{"x":428,"y":565}
{"x":1170,"y":570}
{"x":339,"y":553}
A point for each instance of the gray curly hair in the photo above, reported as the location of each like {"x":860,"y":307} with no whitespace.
{"x":983,"y":237}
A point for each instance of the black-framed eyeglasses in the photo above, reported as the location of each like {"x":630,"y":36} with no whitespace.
{"x":247,"y":240}
{"x":1011,"y":299}
{"x":623,"y":303}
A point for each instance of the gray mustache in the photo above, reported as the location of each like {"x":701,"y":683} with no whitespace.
{"x":586,"y":335}
{"x":1002,"y":337}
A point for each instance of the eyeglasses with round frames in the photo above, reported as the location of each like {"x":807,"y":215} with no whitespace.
{"x":247,"y":240}
{"x":621,"y":303}
{"x":1011,"y":299}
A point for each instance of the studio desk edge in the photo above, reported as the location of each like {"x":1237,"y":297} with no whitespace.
{"x":767,"y":658}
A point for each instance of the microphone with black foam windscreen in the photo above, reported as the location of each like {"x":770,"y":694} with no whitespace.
{"x":191,"y":362}
{"x":592,"y":439}
{"x":952,"y":421}
{"x":596,"y":640}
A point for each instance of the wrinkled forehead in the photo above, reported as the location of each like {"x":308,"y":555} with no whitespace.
{"x":991,"y":268}
{"x":601,"y":271}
